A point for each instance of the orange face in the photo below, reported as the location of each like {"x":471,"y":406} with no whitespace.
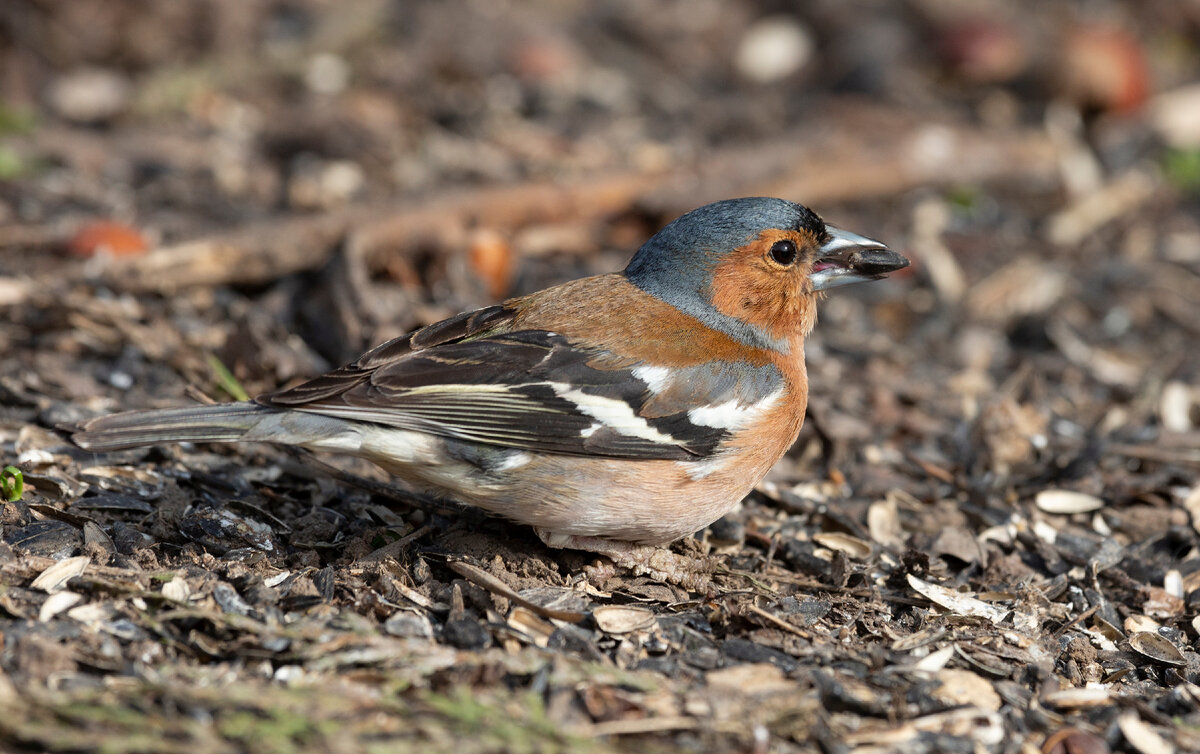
{"x":765,"y":285}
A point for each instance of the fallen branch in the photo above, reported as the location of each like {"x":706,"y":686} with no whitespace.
{"x":846,"y":155}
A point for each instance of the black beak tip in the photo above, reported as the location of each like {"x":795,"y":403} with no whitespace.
{"x":877,"y":261}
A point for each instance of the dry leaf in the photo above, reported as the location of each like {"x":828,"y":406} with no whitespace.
{"x":107,"y":237}
{"x":492,"y":259}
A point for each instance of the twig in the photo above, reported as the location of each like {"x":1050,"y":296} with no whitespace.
{"x":914,"y":153}
{"x":392,"y":549}
{"x":778,"y":622}
{"x":1077,"y":619}
{"x":639,"y":726}
{"x":482,"y":578}
{"x":1187,"y":456}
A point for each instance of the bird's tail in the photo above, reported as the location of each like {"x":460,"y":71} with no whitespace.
{"x":217,"y":423}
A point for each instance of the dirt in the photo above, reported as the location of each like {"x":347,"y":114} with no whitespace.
{"x":985,"y":539}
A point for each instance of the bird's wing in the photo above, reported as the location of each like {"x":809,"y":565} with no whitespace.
{"x":456,"y":329}
{"x":537,"y":390}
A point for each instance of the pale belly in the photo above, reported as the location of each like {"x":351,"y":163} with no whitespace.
{"x":646,"y":501}
{"x":650,"y":502}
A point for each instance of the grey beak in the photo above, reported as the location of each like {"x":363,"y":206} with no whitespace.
{"x":850,"y":258}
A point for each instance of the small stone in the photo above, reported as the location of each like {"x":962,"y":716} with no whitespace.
{"x":409,"y":624}
{"x":89,"y":95}
{"x":466,"y":633}
{"x":327,"y":73}
{"x":1175,"y":115}
{"x":773,"y":48}
{"x":727,"y":531}
{"x":1178,"y":407}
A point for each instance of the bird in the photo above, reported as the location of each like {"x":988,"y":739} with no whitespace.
{"x":614,"y":414}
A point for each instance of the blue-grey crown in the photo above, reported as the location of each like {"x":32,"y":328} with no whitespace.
{"x":676,"y":264}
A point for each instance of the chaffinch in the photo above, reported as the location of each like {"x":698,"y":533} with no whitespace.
{"x":613,"y":413}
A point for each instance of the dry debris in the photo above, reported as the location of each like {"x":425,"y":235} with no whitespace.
{"x":986,"y":539}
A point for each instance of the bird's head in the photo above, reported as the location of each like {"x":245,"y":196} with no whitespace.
{"x":753,"y":268}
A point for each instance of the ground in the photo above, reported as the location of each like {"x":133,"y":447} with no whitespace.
{"x":984,"y":540}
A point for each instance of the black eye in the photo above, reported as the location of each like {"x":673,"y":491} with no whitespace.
{"x":783,"y":252}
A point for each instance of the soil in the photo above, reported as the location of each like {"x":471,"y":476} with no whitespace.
{"x":985,"y":539}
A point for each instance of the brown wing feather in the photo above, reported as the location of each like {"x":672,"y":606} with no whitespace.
{"x":473,"y":378}
{"x":486,"y":321}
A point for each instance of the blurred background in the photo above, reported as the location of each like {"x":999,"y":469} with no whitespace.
{"x":201,"y":198}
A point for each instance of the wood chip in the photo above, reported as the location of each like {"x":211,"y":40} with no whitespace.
{"x":1074,"y":741}
{"x":1175,"y":116}
{"x":963,"y":688}
{"x":1141,"y":736}
{"x":1135,"y":623}
{"x":751,"y":679}
{"x":984,"y":727}
{"x":57,"y":603}
{"x":14,"y":291}
{"x":883,"y":522}
{"x":778,"y":622}
{"x":176,"y":589}
{"x":623,"y":619}
{"x":1162,"y":604}
{"x":640,"y":726}
{"x":419,"y":599}
{"x":935,"y":661}
{"x":489,"y":582}
{"x":919,"y":639}
{"x":850,"y":545}
{"x":955,"y":602}
{"x":1119,"y":197}
{"x":531,"y":624}
{"x":1066,"y":502}
{"x":1177,"y":405}
{"x":1082,"y":698}
{"x":1021,"y":288}
{"x":1157,"y":648}
{"x":53,"y":578}
{"x":1191,"y":504}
